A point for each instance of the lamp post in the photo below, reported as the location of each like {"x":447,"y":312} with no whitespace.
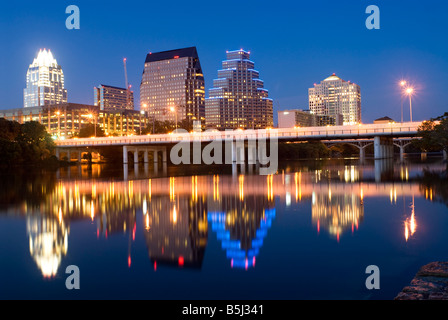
{"x":409,"y":92}
{"x":402,"y":84}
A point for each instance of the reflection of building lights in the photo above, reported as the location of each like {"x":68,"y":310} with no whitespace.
{"x":194,"y":188}
{"x":172,"y":190}
{"x":406,"y":231}
{"x":288,"y":199}
{"x":240,"y":257}
{"x":144,"y":206}
{"x":298,"y":182}
{"x":410,"y":224}
{"x":270,"y":187}
{"x":174,"y":214}
{"x":241,"y":187}
{"x":147,"y":226}
{"x":181,"y":261}
{"x":336,"y":212}
{"x":48,"y":243}
{"x":215,"y":187}
{"x":92,"y":210}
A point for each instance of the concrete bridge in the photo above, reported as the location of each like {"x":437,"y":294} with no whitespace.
{"x":382,"y":136}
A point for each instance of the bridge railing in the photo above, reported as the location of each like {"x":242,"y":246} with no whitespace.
{"x":336,"y":132}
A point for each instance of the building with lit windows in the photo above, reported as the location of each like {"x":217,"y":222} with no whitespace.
{"x":306,"y":118}
{"x":67,"y":119}
{"x":173,"y":87}
{"x":333,"y":97}
{"x":238,"y":98}
{"x":112,"y":98}
{"x":44,"y":82}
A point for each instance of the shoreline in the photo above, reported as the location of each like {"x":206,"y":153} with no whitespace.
{"x":430,"y":283}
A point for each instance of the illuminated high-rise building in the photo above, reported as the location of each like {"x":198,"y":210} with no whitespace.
{"x":172,"y":87}
{"x":44,"y":82}
{"x":238,"y":98}
{"x":336,"y":98}
{"x":112,"y":98}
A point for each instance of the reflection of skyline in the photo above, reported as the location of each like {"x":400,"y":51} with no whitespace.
{"x":175,"y":230}
{"x":241,"y":221}
{"x":242,"y":247}
{"x":177,"y":211}
{"x":410,"y":223}
{"x":48,"y":241}
{"x":337,"y":213}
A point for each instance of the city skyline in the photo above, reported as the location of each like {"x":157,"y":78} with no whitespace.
{"x":375,"y":59}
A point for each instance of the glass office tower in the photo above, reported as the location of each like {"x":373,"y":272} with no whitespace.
{"x":44,"y":82}
{"x":172,"y":87}
{"x":238,"y":98}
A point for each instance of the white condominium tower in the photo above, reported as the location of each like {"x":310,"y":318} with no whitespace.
{"x":336,"y":98}
{"x":44,"y":82}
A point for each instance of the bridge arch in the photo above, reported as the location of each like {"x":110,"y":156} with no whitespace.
{"x":361,"y":145}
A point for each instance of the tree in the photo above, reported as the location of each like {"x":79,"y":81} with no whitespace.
{"x":35,"y":142}
{"x":159,"y":127}
{"x":9,"y":130}
{"x":433,"y":134}
{"x":89,"y":131}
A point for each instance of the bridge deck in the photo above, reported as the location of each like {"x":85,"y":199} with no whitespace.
{"x":365,"y":131}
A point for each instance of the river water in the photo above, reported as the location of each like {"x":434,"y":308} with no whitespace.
{"x":308,"y":232}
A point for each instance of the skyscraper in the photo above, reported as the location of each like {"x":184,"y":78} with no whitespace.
{"x":110,"y":98}
{"x":336,"y":98}
{"x":44,"y":82}
{"x":172,"y":87}
{"x":238,"y":98}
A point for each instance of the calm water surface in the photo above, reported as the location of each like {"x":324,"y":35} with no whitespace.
{"x":308,"y":232}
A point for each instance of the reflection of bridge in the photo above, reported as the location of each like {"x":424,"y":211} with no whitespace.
{"x":277,"y":185}
{"x":382,"y":136}
{"x":177,"y":211}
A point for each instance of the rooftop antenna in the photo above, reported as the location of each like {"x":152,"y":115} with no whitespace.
{"x":128,"y":97}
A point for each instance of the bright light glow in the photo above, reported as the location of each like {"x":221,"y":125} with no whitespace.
{"x":410,"y":91}
{"x":402,"y":83}
{"x":174,"y":215}
{"x":45,"y":59}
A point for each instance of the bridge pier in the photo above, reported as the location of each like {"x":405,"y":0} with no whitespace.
{"x":252,"y":152}
{"x":238,"y":152}
{"x":384,"y":170}
{"x":445,"y":155}
{"x":383,"y":147}
{"x":146,"y":150}
{"x":125,"y":155}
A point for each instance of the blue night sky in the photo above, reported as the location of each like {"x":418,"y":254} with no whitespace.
{"x":294,"y":44}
